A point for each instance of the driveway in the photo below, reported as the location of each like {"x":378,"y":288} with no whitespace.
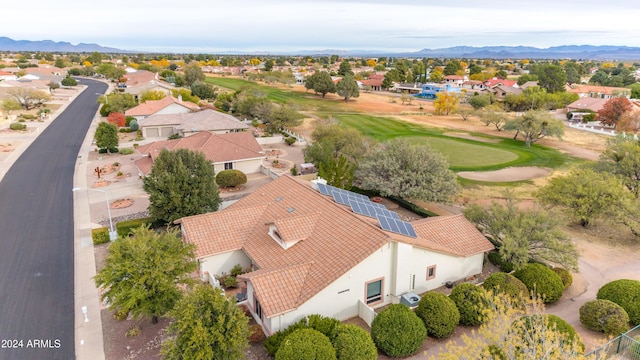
{"x":37,"y":239}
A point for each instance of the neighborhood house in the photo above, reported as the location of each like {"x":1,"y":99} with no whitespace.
{"x":312,"y":248}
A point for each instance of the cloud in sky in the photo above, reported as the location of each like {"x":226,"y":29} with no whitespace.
{"x":285,"y":25}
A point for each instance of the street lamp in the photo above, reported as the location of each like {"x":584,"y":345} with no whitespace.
{"x":113,"y":234}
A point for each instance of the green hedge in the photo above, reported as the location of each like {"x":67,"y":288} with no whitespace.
{"x":325,"y":325}
{"x":397,"y":331}
{"x":472,"y":303}
{"x":565,"y":276}
{"x":305,"y":344}
{"x":505,"y":283}
{"x":542,"y":281}
{"x":230,"y":178}
{"x":100,"y":236}
{"x":354,"y":343}
{"x":124,"y":227}
{"x":439,"y":313}
{"x":604,"y":316}
{"x":625,"y":293}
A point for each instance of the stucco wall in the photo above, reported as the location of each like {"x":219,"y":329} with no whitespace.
{"x":223,"y":263}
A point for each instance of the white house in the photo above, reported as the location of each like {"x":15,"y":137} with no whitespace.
{"x":237,"y":150}
{"x":185,"y":124}
{"x":306,"y":253}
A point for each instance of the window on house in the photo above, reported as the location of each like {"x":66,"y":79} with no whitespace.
{"x":431,"y":272}
{"x":374,"y":292}
{"x":228,"y":166}
{"x":258,"y":308}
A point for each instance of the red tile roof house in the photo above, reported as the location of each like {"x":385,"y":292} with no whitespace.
{"x":141,"y":81}
{"x":587,"y":103}
{"x":166,"y":105}
{"x":239,"y":151}
{"x":597,"y":91}
{"x":307,"y":254}
{"x":185,"y":124}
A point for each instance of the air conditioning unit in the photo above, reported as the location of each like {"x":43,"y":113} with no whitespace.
{"x":410,"y":299}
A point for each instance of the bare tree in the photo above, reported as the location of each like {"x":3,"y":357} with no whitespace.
{"x":29,"y":98}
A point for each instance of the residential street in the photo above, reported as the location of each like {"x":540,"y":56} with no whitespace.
{"x":37,"y":239}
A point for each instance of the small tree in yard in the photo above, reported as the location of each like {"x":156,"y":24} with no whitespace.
{"x":612,"y":111}
{"x":445,"y":103}
{"x":9,"y":105}
{"x":143,"y":273}
{"x":306,"y":344}
{"x":397,"y":331}
{"x":106,"y":136}
{"x":181,"y":183}
{"x":347,"y":88}
{"x":439,"y":313}
{"x":117,"y":119}
{"x":207,"y":325}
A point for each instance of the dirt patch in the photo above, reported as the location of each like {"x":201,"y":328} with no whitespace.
{"x":121,"y":203}
{"x":7,"y":147}
{"x":101,"y":183}
{"x":506,"y":174}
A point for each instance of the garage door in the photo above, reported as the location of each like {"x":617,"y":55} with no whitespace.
{"x":166,"y":131}
{"x":152,"y":132}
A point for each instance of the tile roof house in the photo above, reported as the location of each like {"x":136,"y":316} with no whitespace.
{"x":166,"y":105}
{"x":236,"y":150}
{"x":185,"y":124}
{"x":587,"y":103}
{"x":141,"y":81}
{"x":503,"y":82}
{"x":308,"y":254}
{"x":597,"y":91}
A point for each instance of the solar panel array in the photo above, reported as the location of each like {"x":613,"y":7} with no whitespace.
{"x":360,"y":204}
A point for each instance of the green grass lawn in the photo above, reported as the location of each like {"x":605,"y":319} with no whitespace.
{"x":463,"y":154}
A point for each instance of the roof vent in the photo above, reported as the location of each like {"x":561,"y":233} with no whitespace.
{"x":278,"y":198}
{"x":291,"y":209}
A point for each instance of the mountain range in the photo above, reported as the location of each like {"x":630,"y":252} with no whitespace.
{"x":586,"y":52}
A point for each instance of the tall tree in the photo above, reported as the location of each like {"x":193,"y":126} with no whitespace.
{"x":622,"y":157}
{"x":613,"y":110}
{"x":330,"y":140}
{"x":193,"y":73}
{"x":587,"y":195}
{"x":143,"y":273}
{"x":452,"y":67}
{"x":204,"y":90}
{"x":535,"y":125}
{"x":106,"y":135}
{"x":345,"y":68}
{"x":446,"y":103}
{"x":323,"y":84}
{"x":399,"y":168}
{"x":181,"y":183}
{"x":523,"y":235}
{"x":268,"y":65}
{"x":551,"y":77}
{"x":207,"y":325}
{"x":347,"y":87}
{"x":337,"y":173}
{"x":283,"y":116}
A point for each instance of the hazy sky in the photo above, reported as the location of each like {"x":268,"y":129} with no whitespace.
{"x":289,"y":25}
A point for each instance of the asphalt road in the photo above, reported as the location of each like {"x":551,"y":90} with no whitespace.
{"x":37,"y":238}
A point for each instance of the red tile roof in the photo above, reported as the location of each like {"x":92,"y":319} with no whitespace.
{"x":151,"y":107}
{"x":495,"y":82}
{"x":331,"y":240}
{"x":217,"y":148}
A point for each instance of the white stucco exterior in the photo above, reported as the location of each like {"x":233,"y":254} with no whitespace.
{"x":220,"y":264}
{"x":247,"y":166}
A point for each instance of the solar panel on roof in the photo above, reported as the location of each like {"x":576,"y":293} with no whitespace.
{"x":324,"y":189}
{"x":340,"y":198}
{"x":396,"y":225}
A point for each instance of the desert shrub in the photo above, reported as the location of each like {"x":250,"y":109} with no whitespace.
{"x":125,"y":228}
{"x":398,"y":331}
{"x":604,"y":316}
{"x":133,"y":125}
{"x":439,"y":313}
{"x":28,"y":116}
{"x":231,"y":178}
{"x":306,"y":344}
{"x":542,"y":281}
{"x":120,"y":315}
{"x":565,"y":276}
{"x":133,"y":331}
{"x":236,"y":270}
{"x":100,"y":236}
{"x":230,"y":282}
{"x":128,"y":119}
{"x":116,"y":118}
{"x":527,"y":323}
{"x":505,"y":283}
{"x":126,"y":151}
{"x":563,"y":327}
{"x":325,"y":325}
{"x":496,"y":260}
{"x":625,"y":293}
{"x":354,"y":343}
{"x":170,"y":137}
{"x":273,"y":342}
{"x":17,"y":126}
{"x":102,"y":151}
{"x":256,"y":334}
{"x":472,"y":303}
{"x":290,"y":141}
{"x":113,"y":150}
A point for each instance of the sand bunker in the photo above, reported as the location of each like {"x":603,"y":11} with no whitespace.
{"x":506,"y":174}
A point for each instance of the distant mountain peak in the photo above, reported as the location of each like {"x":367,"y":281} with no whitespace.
{"x":7,"y":44}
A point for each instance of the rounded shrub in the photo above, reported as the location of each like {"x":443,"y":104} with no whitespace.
{"x":604,"y":316}
{"x":472,"y":303}
{"x":133,"y":125}
{"x":505,"y":283}
{"x":313,"y":344}
{"x":397,"y":331}
{"x":273,"y":342}
{"x":565,"y":276}
{"x":17,"y":126}
{"x":564,"y":328}
{"x":439,"y":313}
{"x":231,"y":178}
{"x":625,"y":293}
{"x":542,"y":281}
{"x":548,"y":321}
{"x":354,"y":343}
{"x":290,"y":141}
